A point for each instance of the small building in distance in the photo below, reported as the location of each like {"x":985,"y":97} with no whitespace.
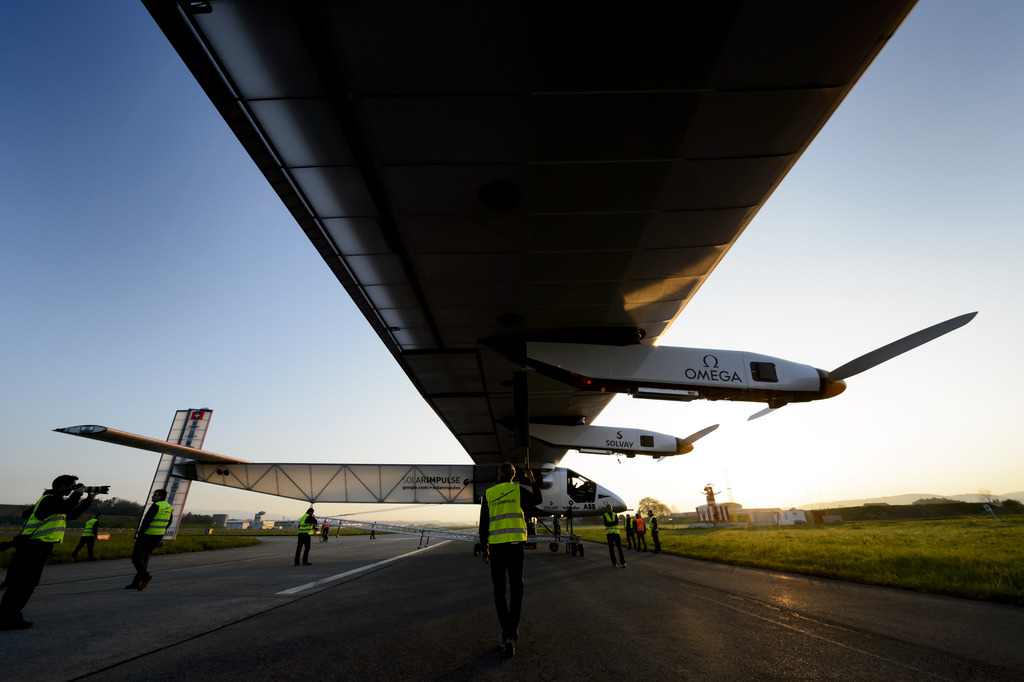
{"x":771,"y":517}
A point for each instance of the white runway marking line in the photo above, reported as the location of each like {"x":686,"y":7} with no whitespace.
{"x":324,"y":581}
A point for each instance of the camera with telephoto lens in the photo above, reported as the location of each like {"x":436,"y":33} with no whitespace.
{"x":95,"y":489}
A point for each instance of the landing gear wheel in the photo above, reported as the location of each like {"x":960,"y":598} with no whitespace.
{"x":553,"y":547}
{"x":580,"y":547}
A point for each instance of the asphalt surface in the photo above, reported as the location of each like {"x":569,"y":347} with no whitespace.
{"x":382,"y":609}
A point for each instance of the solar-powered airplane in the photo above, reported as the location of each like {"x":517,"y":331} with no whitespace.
{"x":522,"y":197}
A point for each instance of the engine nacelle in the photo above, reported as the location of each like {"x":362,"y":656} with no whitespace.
{"x":608,"y":440}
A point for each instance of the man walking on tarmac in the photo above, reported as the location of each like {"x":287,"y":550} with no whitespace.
{"x":503,"y":536}
{"x":149,"y":536}
{"x":630,"y":532}
{"x":611,"y":530}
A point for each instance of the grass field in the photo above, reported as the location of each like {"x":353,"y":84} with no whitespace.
{"x":974,"y":558}
{"x":120,"y":544}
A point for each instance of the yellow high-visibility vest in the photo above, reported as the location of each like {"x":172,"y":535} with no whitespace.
{"x":162,"y":519}
{"x":50,"y":529}
{"x":305,"y":525}
{"x":611,"y":516}
{"x":90,"y":528}
{"x":507,"y":523}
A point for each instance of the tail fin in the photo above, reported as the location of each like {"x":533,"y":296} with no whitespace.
{"x":189,"y":430}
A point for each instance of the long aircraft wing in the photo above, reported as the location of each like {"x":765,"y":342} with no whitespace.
{"x":131,"y":440}
{"x":477,"y":175}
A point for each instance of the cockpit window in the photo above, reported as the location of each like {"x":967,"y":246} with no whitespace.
{"x":764,"y":371}
{"x":580,"y":488}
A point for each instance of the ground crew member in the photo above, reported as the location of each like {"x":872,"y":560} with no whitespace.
{"x":503,"y":536}
{"x":611,"y":533}
{"x":148,"y":537}
{"x":652,"y":523}
{"x":307,"y":525}
{"x":630,"y":532}
{"x":88,"y":539}
{"x":43,"y":530}
{"x":641,"y":535}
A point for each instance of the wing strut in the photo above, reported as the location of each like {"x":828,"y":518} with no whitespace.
{"x":521,"y":399}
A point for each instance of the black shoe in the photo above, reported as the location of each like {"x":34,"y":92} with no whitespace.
{"x":15,"y":624}
{"x":623,"y":564}
{"x":145,"y":581}
{"x":307,"y":563}
{"x":132,"y":586}
{"x":510,"y":648}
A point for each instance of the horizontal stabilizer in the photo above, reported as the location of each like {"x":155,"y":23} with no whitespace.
{"x":142,"y":443}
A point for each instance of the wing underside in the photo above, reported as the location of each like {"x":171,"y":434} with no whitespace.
{"x":481,"y":174}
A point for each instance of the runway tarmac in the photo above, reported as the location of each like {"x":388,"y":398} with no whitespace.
{"x":382,"y":609}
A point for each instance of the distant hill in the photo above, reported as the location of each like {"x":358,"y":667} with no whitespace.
{"x":913,"y":497}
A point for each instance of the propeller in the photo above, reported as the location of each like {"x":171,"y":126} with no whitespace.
{"x":686,"y":444}
{"x":836,"y":378}
{"x":880,"y":355}
{"x":694,"y":437}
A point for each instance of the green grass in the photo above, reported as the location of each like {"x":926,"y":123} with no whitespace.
{"x":972,"y":558}
{"x":119,"y":546}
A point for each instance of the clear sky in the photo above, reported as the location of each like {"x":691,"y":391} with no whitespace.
{"x":146,"y":266}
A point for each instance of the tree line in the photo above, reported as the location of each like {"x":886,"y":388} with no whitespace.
{"x":116,"y":506}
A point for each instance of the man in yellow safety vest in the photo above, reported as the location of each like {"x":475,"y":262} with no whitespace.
{"x":43,"y":530}
{"x":503,"y":537}
{"x":88,"y":539}
{"x":652,"y":524}
{"x":307,"y":525}
{"x":148,"y":537}
{"x":611,"y":533}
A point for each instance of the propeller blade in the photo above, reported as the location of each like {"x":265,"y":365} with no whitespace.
{"x":686,"y":444}
{"x":758,"y":415}
{"x":888,"y":352}
{"x":693,"y":437}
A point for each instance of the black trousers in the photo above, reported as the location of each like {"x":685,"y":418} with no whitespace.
{"x":641,"y":536}
{"x":302,"y":545}
{"x":88,"y":542}
{"x":657,"y":543}
{"x":630,"y":539}
{"x":507,"y":560}
{"x":615,"y":541}
{"x":23,"y":575}
{"x":144,"y":546}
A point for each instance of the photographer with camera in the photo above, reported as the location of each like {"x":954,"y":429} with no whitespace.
{"x":44,"y":528}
